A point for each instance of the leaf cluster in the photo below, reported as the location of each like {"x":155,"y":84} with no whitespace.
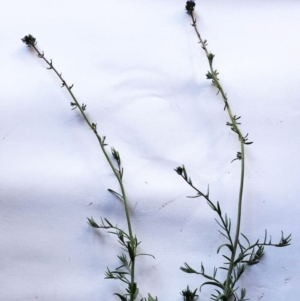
{"x":129,"y":244}
{"x":127,"y":259}
{"x":189,"y":295}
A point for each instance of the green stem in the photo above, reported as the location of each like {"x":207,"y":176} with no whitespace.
{"x":235,"y":127}
{"x":102,"y":145}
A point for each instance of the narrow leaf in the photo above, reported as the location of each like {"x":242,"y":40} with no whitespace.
{"x":115,"y":193}
{"x":212,"y":283}
{"x":225,"y":245}
{"x":123,"y":298}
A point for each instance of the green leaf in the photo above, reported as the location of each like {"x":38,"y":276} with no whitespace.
{"x":92,"y":223}
{"x":135,"y":293}
{"x":212,"y":206}
{"x":145,"y":254}
{"x":120,"y":273}
{"x":212,"y":283}
{"x":225,"y":245}
{"x":207,"y":194}
{"x":184,"y":172}
{"x":188,"y":269}
{"x":108,"y":222}
{"x":219,"y":209}
{"x":115,"y":193}
{"x":123,"y":298}
{"x":209,"y":75}
{"x":220,"y":297}
{"x":150,"y":298}
{"x":240,"y":258}
{"x":130,"y":251}
{"x":246,"y":239}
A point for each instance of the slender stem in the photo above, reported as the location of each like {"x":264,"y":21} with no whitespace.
{"x":102,"y":145}
{"x":200,"y":193}
{"x":241,"y":138}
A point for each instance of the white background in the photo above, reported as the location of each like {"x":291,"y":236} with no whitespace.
{"x":139,"y":69}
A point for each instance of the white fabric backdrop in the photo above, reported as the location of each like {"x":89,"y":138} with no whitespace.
{"x":139,"y":69}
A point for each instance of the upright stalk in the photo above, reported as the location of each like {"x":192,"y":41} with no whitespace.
{"x":213,"y":75}
{"x":30,"y":41}
{"x":249,"y":253}
{"x":234,"y":126}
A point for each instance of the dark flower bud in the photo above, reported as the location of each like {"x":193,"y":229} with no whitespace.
{"x":188,"y":295}
{"x":179,"y":170}
{"x":190,"y":5}
{"x":210,"y":57}
{"x":29,"y":40}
